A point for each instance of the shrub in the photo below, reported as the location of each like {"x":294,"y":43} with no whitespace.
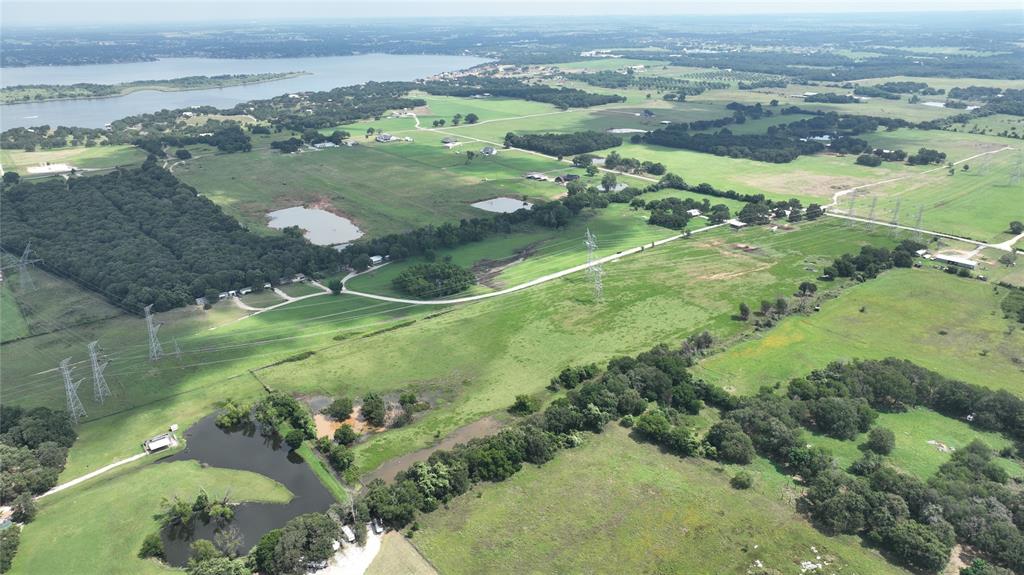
{"x":524,"y":405}
{"x":881,"y":440}
{"x":340,"y":409}
{"x":152,"y":546}
{"x":374,"y":409}
{"x":742,"y":480}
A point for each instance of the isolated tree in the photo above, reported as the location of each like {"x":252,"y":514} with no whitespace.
{"x":11,"y":178}
{"x":808,"y":288}
{"x":742,"y":480}
{"x":369,"y":131}
{"x":182,"y":154}
{"x":470,"y":155}
{"x":456,"y":119}
{"x":374,"y":409}
{"x":813,"y":212}
{"x":294,"y":438}
{"x":345,"y":435}
{"x":608,"y":182}
{"x":1016,"y":227}
{"x":881,"y":440}
{"x":744,"y":311}
{"x":471,"y":118}
{"x":335,"y":286}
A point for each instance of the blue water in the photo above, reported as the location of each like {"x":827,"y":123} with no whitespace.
{"x":324,"y":74}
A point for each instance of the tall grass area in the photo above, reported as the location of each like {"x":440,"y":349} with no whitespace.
{"x":98,"y":527}
{"x":617,"y":502}
{"x":950,"y":325}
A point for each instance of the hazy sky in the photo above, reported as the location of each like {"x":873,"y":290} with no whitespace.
{"x":37,"y":12}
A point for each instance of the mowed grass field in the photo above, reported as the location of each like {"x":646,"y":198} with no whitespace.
{"x":948,"y":324}
{"x":98,"y":527}
{"x":48,"y":304}
{"x":383,"y":189}
{"x":12,"y":323}
{"x":615,"y":505}
{"x":96,"y":157}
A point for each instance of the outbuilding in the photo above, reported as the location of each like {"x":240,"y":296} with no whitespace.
{"x":958,"y":261}
{"x":693,"y":213}
{"x":735,"y":224}
{"x":347,"y":533}
{"x":158,"y":443}
{"x":376,"y":260}
{"x":488,"y":151}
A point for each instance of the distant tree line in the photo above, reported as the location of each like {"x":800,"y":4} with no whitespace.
{"x":228,"y":139}
{"x":140,"y":236}
{"x":563,"y":144}
{"x":831,"y":98}
{"x":612,"y":79}
{"x":760,"y":147}
{"x":564,"y":98}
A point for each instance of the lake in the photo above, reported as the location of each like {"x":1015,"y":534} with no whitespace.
{"x":324,"y":74}
{"x":322,"y":227}
{"x":248,"y":450}
{"x":502,"y":205}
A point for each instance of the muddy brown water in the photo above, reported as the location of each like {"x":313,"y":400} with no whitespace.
{"x":480,"y":428}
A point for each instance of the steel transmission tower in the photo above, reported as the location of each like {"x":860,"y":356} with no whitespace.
{"x":24,"y":279}
{"x":896,"y":217}
{"x":75,"y":408}
{"x":917,"y":225}
{"x":155,"y":349}
{"x":853,"y":198}
{"x":594,"y":270}
{"x":100,"y":391}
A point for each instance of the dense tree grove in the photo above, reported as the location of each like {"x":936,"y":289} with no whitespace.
{"x":926,"y":156}
{"x":563,"y":144}
{"x":303,"y":545}
{"x":831,"y":98}
{"x":563,"y":98}
{"x":871,"y":261}
{"x":680,"y":88}
{"x":760,"y":147}
{"x":33,"y":448}
{"x":142,"y":237}
{"x":433,"y":280}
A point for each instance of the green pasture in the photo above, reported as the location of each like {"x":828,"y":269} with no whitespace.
{"x":384,"y":189}
{"x":265,"y":298}
{"x":913,"y":454}
{"x":472,"y":360}
{"x":300,"y":289}
{"x":98,"y":527}
{"x":617,"y":502}
{"x":49,"y":304}
{"x":948,"y":324}
{"x":12,"y":323}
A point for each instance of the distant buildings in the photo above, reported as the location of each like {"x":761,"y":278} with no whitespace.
{"x":735,"y":224}
{"x":958,"y":261}
{"x":488,"y":151}
{"x":385,"y":138}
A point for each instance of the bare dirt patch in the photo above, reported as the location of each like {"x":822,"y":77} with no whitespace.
{"x":487,"y":271}
{"x":325,"y":426}
{"x":479,"y":428}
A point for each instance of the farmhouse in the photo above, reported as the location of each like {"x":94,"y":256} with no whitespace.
{"x":323,"y":145}
{"x":958,"y":261}
{"x":385,"y":138}
{"x":693,"y":213}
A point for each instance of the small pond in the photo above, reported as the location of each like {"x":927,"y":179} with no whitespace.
{"x":502,"y":205}
{"x":322,"y":227}
{"x":248,"y":450}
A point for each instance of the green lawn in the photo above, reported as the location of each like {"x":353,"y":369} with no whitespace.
{"x":95,"y":157}
{"x":951,"y":325}
{"x":300,"y":289}
{"x":50,"y":304}
{"x":265,"y":298}
{"x":98,"y":527}
{"x":616,"y":504}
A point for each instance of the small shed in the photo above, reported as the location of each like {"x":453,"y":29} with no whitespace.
{"x":376,"y":260}
{"x":158,"y":443}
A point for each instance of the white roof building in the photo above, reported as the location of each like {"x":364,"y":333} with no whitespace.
{"x":735,"y":224}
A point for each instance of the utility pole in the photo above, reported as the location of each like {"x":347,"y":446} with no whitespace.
{"x":100,"y":391}
{"x":75,"y":408}
{"x":853,"y":198}
{"x":917,"y":224}
{"x":594,"y":270}
{"x":871,"y":213}
{"x":155,"y":349}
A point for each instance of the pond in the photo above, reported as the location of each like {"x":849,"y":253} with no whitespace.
{"x":502,"y":205}
{"x":248,"y":450}
{"x":323,"y":74}
{"x":322,"y":227}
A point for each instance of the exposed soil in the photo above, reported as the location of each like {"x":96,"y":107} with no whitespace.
{"x":479,"y":428}
{"x":487,"y":271}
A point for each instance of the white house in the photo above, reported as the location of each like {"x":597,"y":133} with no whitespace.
{"x":376,"y":260}
{"x":693,"y":213}
{"x":957,"y":261}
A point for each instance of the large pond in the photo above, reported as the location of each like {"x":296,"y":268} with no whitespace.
{"x":248,"y":450}
{"x":322,"y":227}
{"x":502,"y":205}
{"x":324,"y":74}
